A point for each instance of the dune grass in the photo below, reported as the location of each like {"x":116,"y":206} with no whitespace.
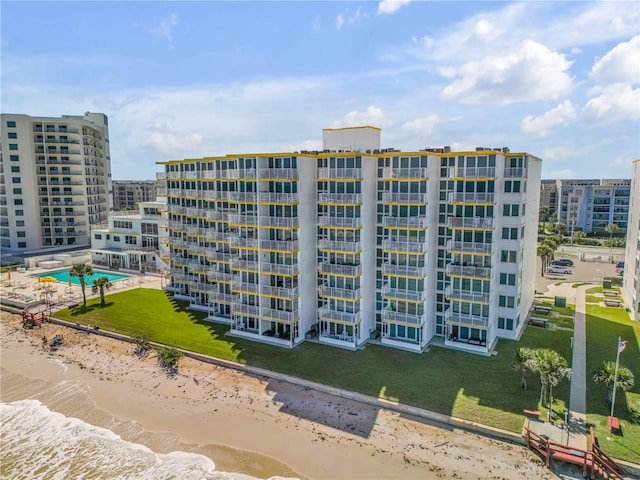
{"x":472,"y":387}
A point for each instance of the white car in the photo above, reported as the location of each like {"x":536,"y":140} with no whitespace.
{"x":558,"y":269}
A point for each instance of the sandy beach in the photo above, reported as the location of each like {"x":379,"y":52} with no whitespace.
{"x":245,"y":423}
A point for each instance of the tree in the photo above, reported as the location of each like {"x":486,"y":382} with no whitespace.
{"x":611,"y":228}
{"x":579,"y":237}
{"x":81,"y":270}
{"x":100,"y":285}
{"x":543,"y":252}
{"x":552,"y":368}
{"x":521,"y":364}
{"x":606,"y":375}
{"x":559,"y":228}
{"x":543,"y":216}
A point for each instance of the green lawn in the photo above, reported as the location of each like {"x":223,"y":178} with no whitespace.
{"x":604,"y":326}
{"x":472,"y":387}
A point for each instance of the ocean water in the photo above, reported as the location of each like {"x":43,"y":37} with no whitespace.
{"x":37,"y":443}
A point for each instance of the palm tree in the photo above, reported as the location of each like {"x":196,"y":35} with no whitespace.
{"x":559,"y":228}
{"x":611,"y":228}
{"x":543,"y":252}
{"x":521,"y":365}
{"x":579,"y":236}
{"x":543,"y":215}
{"x":552,"y":368}
{"x":606,"y":375}
{"x":81,"y":270}
{"x":100,"y":285}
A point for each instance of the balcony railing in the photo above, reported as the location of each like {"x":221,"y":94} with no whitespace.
{"x":340,"y":198}
{"x":242,"y":309}
{"x":280,"y":316}
{"x":278,"y":222}
{"x":339,"y":222}
{"x":403,"y":173}
{"x":466,"y":296}
{"x":402,"y":294}
{"x":466,"y":320}
{"x":471,"y":197}
{"x":221,"y":257}
{"x":404,"y":247}
{"x":265,"y":290}
{"x":329,"y":174}
{"x":404,"y":270}
{"x":215,"y":215}
{"x":217,"y":236}
{"x":280,"y":246}
{"x":403,"y":318}
{"x":468,"y":271}
{"x":470,"y":222}
{"x":240,"y":242}
{"x":245,"y":265}
{"x":219,"y":297}
{"x":348,"y":247}
{"x":342,"y":293}
{"x":279,"y":198}
{"x":341,"y":270}
{"x":339,"y":317}
{"x":405,"y":198}
{"x":470,"y":247}
{"x":405,"y":222}
{"x":515,"y":172}
{"x":472,"y":172}
{"x":248,"y":220}
{"x":278,"y":174}
{"x":242,"y":197}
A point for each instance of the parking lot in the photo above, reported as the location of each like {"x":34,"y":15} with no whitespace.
{"x":582,"y":271}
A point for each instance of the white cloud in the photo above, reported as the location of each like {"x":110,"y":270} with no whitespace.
{"x":387,"y":7}
{"x":165,"y":28}
{"x":619,"y":65}
{"x":485,"y":31}
{"x":347,"y":19}
{"x":530,"y":71}
{"x":421,"y":126}
{"x":563,"y":114}
{"x":616,"y":102}
{"x":373,"y":116}
{"x":561,"y":153}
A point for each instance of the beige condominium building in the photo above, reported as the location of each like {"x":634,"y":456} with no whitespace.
{"x":631,"y":276}
{"x":127,"y":194}
{"x":55,"y":181}
{"x":357,"y":243}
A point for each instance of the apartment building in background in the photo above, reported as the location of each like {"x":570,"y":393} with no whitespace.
{"x":133,"y":240}
{"x":127,"y":194}
{"x":55,"y":181}
{"x":587,"y":205}
{"x":631,"y":276}
{"x":357,"y":243}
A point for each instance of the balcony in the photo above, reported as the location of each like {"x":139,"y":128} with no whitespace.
{"x":245,"y":265}
{"x":215,"y":215}
{"x":279,"y":269}
{"x":243,"y":220}
{"x":405,"y":173}
{"x":242,"y":197}
{"x":515,"y":172}
{"x":214,"y":236}
{"x":340,"y":270}
{"x":222,"y":257}
{"x":265,"y":290}
{"x":278,"y":222}
{"x":280,"y":316}
{"x":329,"y":174}
{"x":418,"y":248}
{"x":470,"y":222}
{"x":340,"y":199}
{"x":280,"y":246}
{"x":403,"y":295}
{"x":279,"y":198}
{"x":404,"y":198}
{"x":468,"y":271}
{"x":335,"y":246}
{"x":418,"y":223}
{"x":472,"y":197}
{"x":199,"y":231}
{"x":339,"y":222}
{"x":403,"y":318}
{"x":340,"y":293}
{"x":403,"y":270}
{"x":350,"y":318}
{"x":468,"y":173}
{"x":247,"y":310}
{"x":466,"y":320}
{"x":240,"y":242}
{"x":470,"y":247}
{"x":466,"y":296}
{"x":196,"y":267}
{"x":283,"y":174}
{"x":220,"y":297}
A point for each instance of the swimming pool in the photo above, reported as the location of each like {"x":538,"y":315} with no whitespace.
{"x":63,"y":276}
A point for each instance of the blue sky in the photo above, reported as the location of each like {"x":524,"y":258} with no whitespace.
{"x":560,"y":80}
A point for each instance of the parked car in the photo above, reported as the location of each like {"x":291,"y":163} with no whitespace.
{"x":620,"y":265}
{"x":558,"y":269}
{"x":563,"y":262}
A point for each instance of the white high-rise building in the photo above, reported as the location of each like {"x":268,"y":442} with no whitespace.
{"x":631,"y":278}
{"x":357,"y":244}
{"x":55,"y":181}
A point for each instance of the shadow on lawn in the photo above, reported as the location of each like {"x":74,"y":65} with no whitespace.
{"x":83,"y":310}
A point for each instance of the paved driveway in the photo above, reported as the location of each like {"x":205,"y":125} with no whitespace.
{"x":582,"y":271}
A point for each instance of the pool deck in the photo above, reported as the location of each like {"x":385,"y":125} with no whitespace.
{"x":23,"y":289}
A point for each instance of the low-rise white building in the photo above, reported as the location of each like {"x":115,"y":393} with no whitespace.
{"x":631,"y":278}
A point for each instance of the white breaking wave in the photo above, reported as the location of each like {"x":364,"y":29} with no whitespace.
{"x":40,"y":444}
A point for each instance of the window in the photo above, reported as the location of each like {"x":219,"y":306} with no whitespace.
{"x":509,"y":323}
{"x":505,"y":301}
{"x":501,"y":323}
{"x":17,"y":191}
{"x":507,"y":279}
{"x":19,"y":213}
{"x":13,"y":146}
{"x":14,"y":158}
{"x":130,"y":240}
{"x":22,"y":244}
{"x":508,"y":256}
{"x":19,"y":223}
{"x":11,"y":124}
{"x":12,"y":135}
{"x":97,"y":236}
{"x":15,"y":180}
{"x":15,"y":169}
{"x":509,"y":233}
{"x":116,"y":238}
{"x":21,"y":234}
{"x":509,"y":210}
{"x":17,"y":201}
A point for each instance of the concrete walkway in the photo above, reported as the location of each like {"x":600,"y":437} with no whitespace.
{"x":578,"y":392}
